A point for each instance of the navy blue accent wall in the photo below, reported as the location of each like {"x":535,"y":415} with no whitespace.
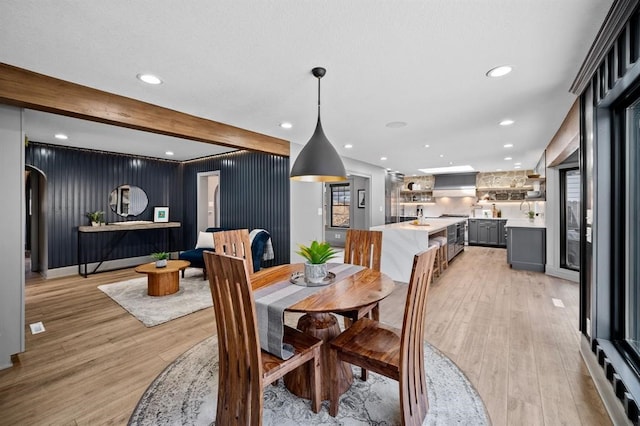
{"x":79,"y":181}
{"x":254,"y":193}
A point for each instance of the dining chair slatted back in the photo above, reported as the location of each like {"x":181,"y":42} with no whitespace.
{"x":244,"y":368}
{"x":240,"y":394}
{"x":394,"y":353}
{"x":234,"y":243}
{"x":363,"y":248}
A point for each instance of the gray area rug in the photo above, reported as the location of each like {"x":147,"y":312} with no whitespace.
{"x":194,"y":295}
{"x":185,"y":393}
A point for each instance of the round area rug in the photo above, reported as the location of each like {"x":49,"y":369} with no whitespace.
{"x":185,"y":393}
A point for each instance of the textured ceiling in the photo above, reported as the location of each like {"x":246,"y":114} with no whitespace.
{"x":247,"y":63}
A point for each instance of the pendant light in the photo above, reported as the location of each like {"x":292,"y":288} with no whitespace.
{"x":318,"y":161}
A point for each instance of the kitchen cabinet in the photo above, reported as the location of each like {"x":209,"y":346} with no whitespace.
{"x":473,"y":232}
{"x":526,"y":248}
{"x":487,"y":232}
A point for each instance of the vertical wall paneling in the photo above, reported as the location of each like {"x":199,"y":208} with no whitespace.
{"x":254,"y":193}
{"x":79,"y":181}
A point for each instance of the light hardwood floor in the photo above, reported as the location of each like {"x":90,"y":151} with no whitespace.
{"x":500,"y":326}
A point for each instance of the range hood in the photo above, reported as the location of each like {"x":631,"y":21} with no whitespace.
{"x":455,"y":185}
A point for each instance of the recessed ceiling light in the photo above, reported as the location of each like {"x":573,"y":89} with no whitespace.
{"x":383,"y":158}
{"x":441,"y":155}
{"x":388,"y":169}
{"x":508,"y":145}
{"x":286,"y":125}
{"x":450,"y":162}
{"x":499,"y":71}
{"x":498,"y":170}
{"x":508,"y":158}
{"x":507,"y":122}
{"x":452,"y":169}
{"x":516,"y":167}
{"x":517,"y":164}
{"x":169,"y":153}
{"x":426,"y":146}
{"x":348,"y":146}
{"x":395,"y":124}
{"x":149,"y":78}
{"x":61,"y":136}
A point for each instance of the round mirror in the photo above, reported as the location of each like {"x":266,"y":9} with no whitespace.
{"x":128,"y":200}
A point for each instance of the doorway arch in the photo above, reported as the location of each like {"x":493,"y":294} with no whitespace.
{"x":35,"y":229}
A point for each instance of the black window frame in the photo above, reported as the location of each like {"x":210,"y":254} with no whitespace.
{"x":563,"y":217}
{"x":340,"y":186}
{"x":619,"y":231}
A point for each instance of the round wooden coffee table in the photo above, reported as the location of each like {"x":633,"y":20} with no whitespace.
{"x":163,"y":281}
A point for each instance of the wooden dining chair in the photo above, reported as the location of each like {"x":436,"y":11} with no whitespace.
{"x":363,"y":248}
{"x":244,"y":369}
{"x":234,"y":243}
{"x":394,"y":353}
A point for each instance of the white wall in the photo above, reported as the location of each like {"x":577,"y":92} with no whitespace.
{"x":307,"y":222}
{"x":11,"y":229}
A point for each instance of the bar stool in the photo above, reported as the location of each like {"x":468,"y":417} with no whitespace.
{"x":444,"y":258}
{"x":437,"y":264}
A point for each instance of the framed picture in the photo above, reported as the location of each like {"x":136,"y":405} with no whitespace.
{"x":161,"y":214}
{"x":361,"y":198}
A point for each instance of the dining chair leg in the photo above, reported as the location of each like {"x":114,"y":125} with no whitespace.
{"x":333,"y":383}
{"x":316,"y":392}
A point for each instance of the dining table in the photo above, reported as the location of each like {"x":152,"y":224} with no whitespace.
{"x":353,"y":288}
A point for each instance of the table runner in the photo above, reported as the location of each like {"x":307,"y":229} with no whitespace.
{"x":271,"y":302}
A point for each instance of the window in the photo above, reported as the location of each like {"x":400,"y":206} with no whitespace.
{"x":625,"y":253}
{"x":632,"y":227}
{"x":570,"y":218}
{"x":340,"y":205}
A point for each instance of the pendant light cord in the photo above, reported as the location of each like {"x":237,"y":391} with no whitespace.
{"x":319,"y":96}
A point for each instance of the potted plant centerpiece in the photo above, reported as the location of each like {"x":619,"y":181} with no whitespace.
{"x":531,"y":214}
{"x":317,"y":255}
{"x":161,"y":259}
{"x":96,"y":217}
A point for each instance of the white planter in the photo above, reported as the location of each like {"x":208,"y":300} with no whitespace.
{"x":161,"y":263}
{"x":95,"y":223}
{"x":315,"y":273}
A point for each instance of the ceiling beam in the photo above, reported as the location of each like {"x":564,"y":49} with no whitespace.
{"x":27,"y":89}
{"x":567,"y":139}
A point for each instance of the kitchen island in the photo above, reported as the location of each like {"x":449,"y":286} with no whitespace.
{"x":401,"y":241}
{"x":526,"y":244}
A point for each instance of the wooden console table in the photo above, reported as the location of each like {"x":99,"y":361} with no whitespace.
{"x":120,"y":231}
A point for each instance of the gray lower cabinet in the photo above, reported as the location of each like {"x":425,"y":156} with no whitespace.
{"x":526,"y":248}
{"x":473,"y":232}
{"x":487,"y":232}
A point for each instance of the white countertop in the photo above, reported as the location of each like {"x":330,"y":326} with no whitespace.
{"x":431,"y":225}
{"x":538,"y":222}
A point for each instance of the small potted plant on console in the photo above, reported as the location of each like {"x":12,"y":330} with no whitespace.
{"x":317,"y":255}
{"x":96,"y":218}
{"x":161,"y":259}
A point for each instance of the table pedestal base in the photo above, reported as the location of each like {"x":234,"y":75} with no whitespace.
{"x":324,"y":326}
